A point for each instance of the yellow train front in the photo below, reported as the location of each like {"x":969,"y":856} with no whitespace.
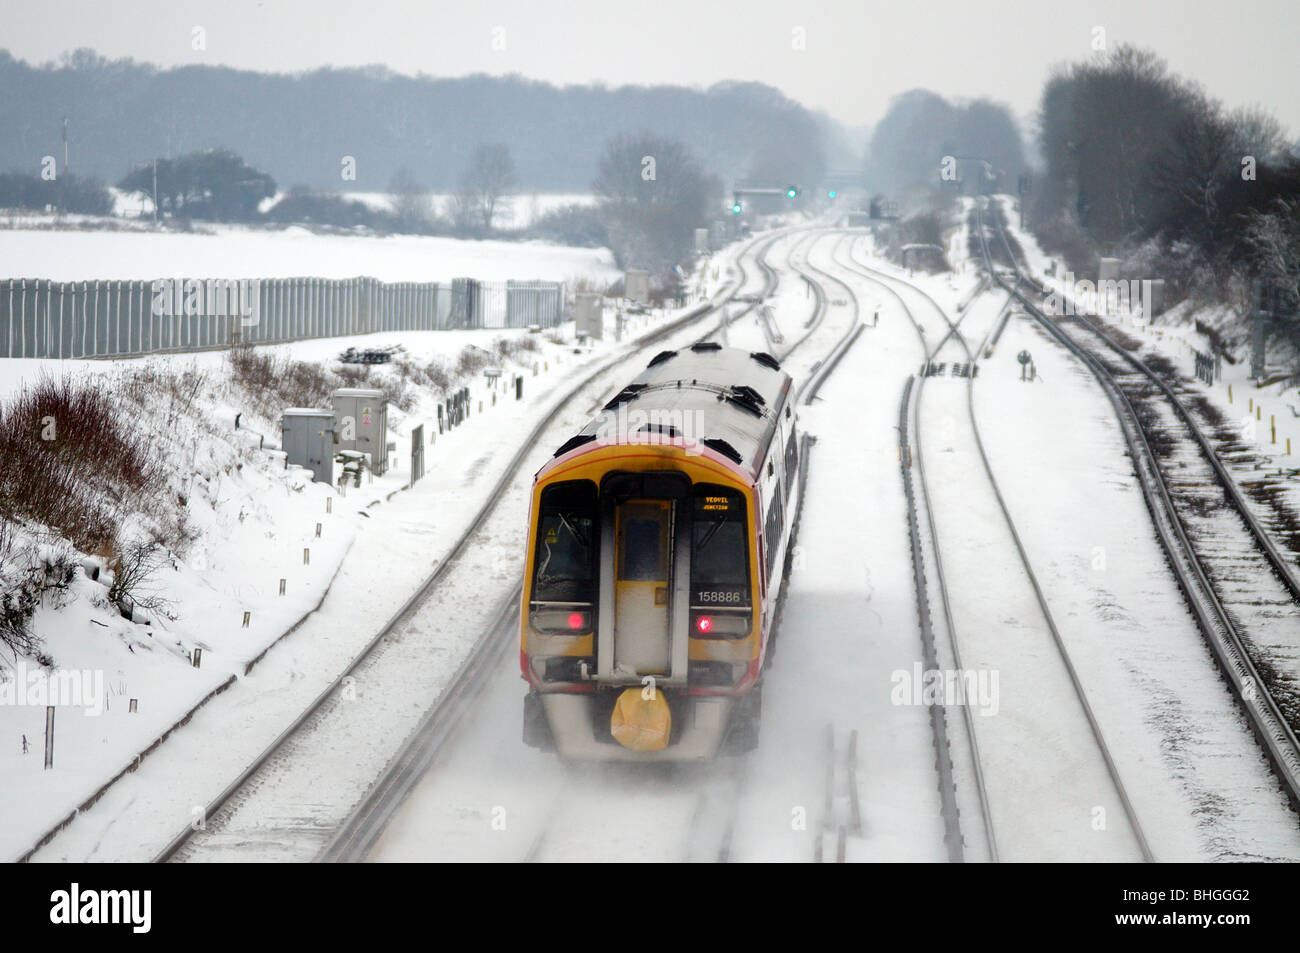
{"x":657,"y":544}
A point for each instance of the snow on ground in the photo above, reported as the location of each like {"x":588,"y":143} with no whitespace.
{"x":604,"y":811}
{"x":522,"y":209}
{"x":396,"y":537}
{"x":254,"y":535}
{"x":232,"y":251}
{"x":1199,"y":781}
{"x":1266,"y":417}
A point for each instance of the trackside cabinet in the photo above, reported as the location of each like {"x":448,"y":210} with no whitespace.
{"x":307,"y":436}
{"x":361,"y":422}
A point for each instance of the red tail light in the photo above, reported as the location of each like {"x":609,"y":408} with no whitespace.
{"x":577,"y":620}
{"x":705,"y":623}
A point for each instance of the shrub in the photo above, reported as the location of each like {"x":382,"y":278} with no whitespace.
{"x":73,"y":463}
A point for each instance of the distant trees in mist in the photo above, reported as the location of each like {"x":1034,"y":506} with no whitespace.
{"x":920,"y":128}
{"x":214,"y":184}
{"x":484,"y":187}
{"x":652,"y":194}
{"x":299,"y":128}
{"x":65,"y":193}
{"x":1143,"y":163}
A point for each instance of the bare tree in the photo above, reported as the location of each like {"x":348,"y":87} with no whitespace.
{"x":652,"y":193}
{"x":1257,"y":132}
{"x":485,"y":186}
{"x":411,"y":203}
{"x":1274,"y":239}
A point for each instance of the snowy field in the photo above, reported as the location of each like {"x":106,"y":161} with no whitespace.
{"x":518,"y":211}
{"x":230,"y":251}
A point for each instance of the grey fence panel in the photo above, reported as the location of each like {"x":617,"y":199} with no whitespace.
{"x":40,"y":318}
{"x":534,"y":302}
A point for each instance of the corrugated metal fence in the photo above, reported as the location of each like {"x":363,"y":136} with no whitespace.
{"x":81,"y":319}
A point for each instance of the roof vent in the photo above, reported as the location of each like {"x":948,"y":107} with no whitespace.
{"x":627,"y":393}
{"x":767,"y":360}
{"x":574,"y":442}
{"x":667,"y":430}
{"x":746,"y":398}
{"x":699,"y":346}
{"x":722,"y":447}
{"x":661,"y":357}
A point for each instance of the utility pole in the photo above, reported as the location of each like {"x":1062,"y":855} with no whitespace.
{"x":65,"y":145}
{"x":155,"y":191}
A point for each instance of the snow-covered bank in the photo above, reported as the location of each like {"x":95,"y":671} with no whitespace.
{"x":253,"y":520}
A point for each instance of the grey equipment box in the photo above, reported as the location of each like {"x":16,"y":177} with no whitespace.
{"x":589,"y":315}
{"x":307,"y":436}
{"x":361,"y":419}
{"x":636,"y":286}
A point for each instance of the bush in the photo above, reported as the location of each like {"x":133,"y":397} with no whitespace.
{"x":73,"y":464}
{"x":305,"y":206}
{"x":574,"y":224}
{"x":69,"y":193}
{"x":275,"y":382}
{"x":27,"y":573}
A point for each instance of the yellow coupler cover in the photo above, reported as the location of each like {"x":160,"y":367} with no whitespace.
{"x":640,"y":723}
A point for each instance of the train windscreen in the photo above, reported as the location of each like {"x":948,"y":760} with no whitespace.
{"x":565,"y":561}
{"x":720,"y":556}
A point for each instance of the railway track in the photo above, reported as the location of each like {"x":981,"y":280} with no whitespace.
{"x":1241,"y":589}
{"x":712,"y":818}
{"x":250,"y":812}
{"x":1004,"y":834}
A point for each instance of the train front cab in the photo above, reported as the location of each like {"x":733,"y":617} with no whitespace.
{"x":642,"y":630}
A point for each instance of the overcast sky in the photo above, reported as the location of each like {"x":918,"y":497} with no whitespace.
{"x":847,"y":57}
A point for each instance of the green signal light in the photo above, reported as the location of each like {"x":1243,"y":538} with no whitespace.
{"x":791,"y":192}
{"x":735,"y":209}
{"x":830,"y":194}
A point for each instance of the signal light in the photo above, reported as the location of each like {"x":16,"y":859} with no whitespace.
{"x":830,"y":194}
{"x":735,"y":209}
{"x":791,"y":192}
{"x":705,"y":623}
{"x":577,"y":620}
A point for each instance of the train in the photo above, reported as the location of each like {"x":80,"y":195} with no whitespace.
{"x":658,"y":542}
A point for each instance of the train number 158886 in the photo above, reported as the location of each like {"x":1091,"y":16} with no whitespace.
{"x":720,"y":596}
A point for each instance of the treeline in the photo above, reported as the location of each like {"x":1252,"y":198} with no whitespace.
{"x":304,"y":128}
{"x":67,"y":193}
{"x":652,"y":193}
{"x":1147,"y":166}
{"x":921,"y":128}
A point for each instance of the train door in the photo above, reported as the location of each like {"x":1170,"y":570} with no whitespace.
{"x":642,"y":587}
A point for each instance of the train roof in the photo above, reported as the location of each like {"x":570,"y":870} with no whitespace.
{"x":725,"y":398}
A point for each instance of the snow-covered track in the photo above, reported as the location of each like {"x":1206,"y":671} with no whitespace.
{"x":952,"y":836}
{"x":1241,"y":590}
{"x":309,"y":833}
{"x":708,"y":803}
{"x":1051,"y":774}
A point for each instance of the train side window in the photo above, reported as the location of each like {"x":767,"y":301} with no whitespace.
{"x":772,"y":530}
{"x":791,"y":462}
